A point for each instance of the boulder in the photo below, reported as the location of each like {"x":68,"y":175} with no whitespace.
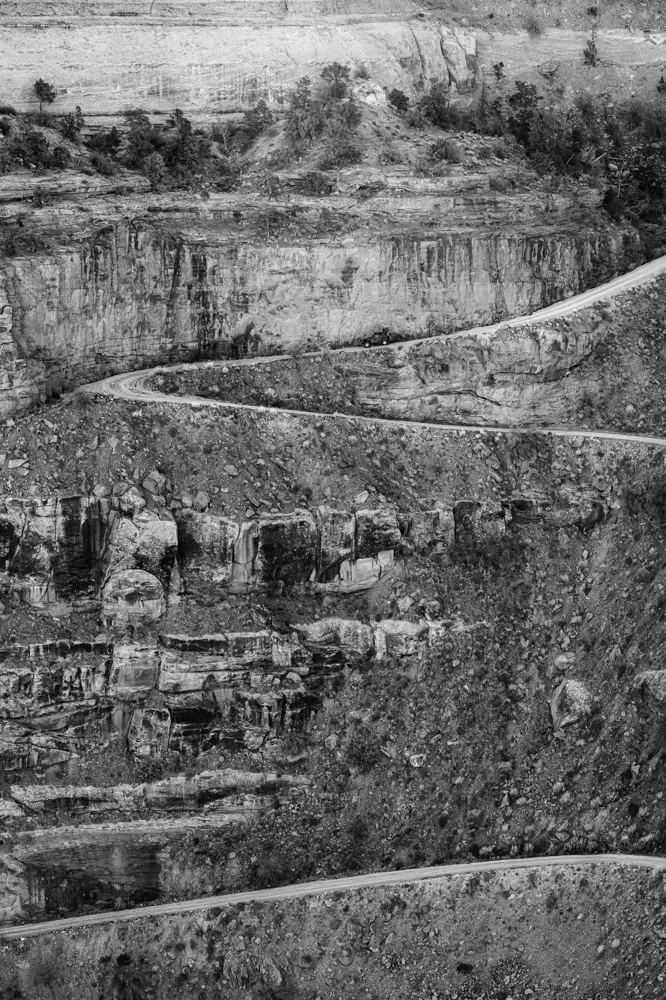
{"x":131,"y":501}
{"x":148,"y":541}
{"x":399,"y":638}
{"x":287,"y":547}
{"x":376,"y":531}
{"x":206,"y":544}
{"x":205,"y":552}
{"x":648,"y":692}
{"x":359,"y":574}
{"x":350,"y":636}
{"x":133,"y":594}
{"x":571,"y":703}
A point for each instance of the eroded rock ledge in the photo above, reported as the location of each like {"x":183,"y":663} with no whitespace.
{"x":136,"y":560}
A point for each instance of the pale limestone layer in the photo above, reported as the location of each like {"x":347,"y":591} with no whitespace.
{"x":108,"y":68}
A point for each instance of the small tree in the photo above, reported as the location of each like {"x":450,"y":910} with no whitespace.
{"x":154,"y":169}
{"x":590,"y":54}
{"x":399,"y":100}
{"x":336,"y":77}
{"x":71,"y":124}
{"x":45,"y":93}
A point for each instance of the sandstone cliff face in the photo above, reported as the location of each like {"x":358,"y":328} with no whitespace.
{"x":170,"y":61}
{"x":133,"y":296}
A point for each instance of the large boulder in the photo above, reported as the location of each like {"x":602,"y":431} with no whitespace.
{"x":287,"y":546}
{"x":133,"y":595}
{"x":376,"y":531}
{"x":48,"y":545}
{"x":148,"y":541}
{"x":399,"y":638}
{"x":571,"y":703}
{"x":206,"y":552}
{"x":351,"y":637}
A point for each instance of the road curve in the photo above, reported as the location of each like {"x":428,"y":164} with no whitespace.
{"x":133,"y":386}
{"x":373,"y":880}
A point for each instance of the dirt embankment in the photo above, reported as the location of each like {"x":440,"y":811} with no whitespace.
{"x":553,"y":934}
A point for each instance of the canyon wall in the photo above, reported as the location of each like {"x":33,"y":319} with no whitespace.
{"x":133,"y":296}
{"x":211,"y":67}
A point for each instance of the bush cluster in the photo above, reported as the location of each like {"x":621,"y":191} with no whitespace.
{"x":329,"y":114}
{"x":26,"y":146}
{"x":622,"y":143}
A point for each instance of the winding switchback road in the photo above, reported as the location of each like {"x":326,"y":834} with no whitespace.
{"x":134,"y":387}
{"x":373,"y":880}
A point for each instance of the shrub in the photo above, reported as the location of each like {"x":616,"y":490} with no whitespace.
{"x":390,"y":154}
{"x":241,"y":135}
{"x":72,"y":124}
{"x":60,"y":157}
{"x":154,"y":168}
{"x":271,"y":185}
{"x":314,"y":183}
{"x":363,"y":750}
{"x":45,"y":93}
{"x":533,"y":25}
{"x":362,"y":73}
{"x":106,"y":143}
{"x":437,"y":108}
{"x":141,"y":137}
{"x":343,"y":155}
{"x":399,"y":100}
{"x":590,"y":54}
{"x":498,"y":70}
{"x":305,"y":116}
{"x":331,"y":113}
{"x":103,"y":164}
{"x":336,"y":77}
{"x":5,"y":126}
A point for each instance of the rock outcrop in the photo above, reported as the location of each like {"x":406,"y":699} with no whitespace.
{"x":48,"y":547}
{"x":60,"y":699}
{"x":571,"y":703}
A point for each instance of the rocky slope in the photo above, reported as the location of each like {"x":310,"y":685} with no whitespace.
{"x":456,"y":937}
{"x":243,"y":649}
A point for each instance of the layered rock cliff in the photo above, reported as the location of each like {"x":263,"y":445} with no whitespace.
{"x":206,"y":58}
{"x":134,"y":295}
